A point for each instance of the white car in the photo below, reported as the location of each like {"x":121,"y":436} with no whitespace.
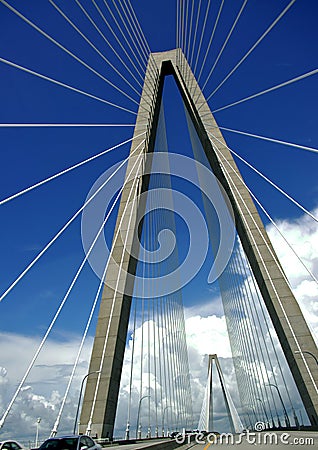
{"x":72,"y":442}
{"x":10,"y":445}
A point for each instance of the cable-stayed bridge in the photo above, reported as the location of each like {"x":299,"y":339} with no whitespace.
{"x":168,"y":224}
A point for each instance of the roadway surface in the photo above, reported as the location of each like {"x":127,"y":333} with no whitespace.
{"x":137,"y":445}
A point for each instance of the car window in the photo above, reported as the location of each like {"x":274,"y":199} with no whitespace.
{"x":60,"y":444}
{"x":82,"y":442}
{"x":51,"y":444}
{"x":15,"y":446}
{"x":89,"y":442}
{"x":6,"y":446}
{"x":68,"y":444}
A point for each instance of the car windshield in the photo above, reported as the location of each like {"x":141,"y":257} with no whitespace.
{"x":60,"y":444}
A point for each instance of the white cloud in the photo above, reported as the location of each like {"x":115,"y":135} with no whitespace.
{"x":302,"y":235}
{"x":42,"y":394}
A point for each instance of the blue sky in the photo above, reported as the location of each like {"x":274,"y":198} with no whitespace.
{"x":30,"y":155}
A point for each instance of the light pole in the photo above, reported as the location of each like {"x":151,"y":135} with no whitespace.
{"x":264,"y":409}
{"x":251,"y":407}
{"x":80,"y":397}
{"x":138,"y":432}
{"x":38,"y":421}
{"x":280,"y":397}
{"x":163,"y":419}
{"x":308,"y":353}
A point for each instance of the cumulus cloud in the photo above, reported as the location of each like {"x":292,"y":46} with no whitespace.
{"x":302,"y":235}
{"x":42,"y":394}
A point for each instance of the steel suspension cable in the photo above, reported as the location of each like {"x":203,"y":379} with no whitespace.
{"x":267,"y":273}
{"x":164,"y":360}
{"x":133,"y":22}
{"x":64,"y":125}
{"x":224,"y":44}
{"x":160,"y":359}
{"x":64,"y":171}
{"x":61,"y":12}
{"x":183,"y":36}
{"x":202,"y":35}
{"x":179,"y":362}
{"x":179,"y":355}
{"x":257,"y":329}
{"x":124,"y":36}
{"x":260,"y":327}
{"x":233,"y":331}
{"x":56,"y":314}
{"x":134,"y":187}
{"x":280,"y":16}
{"x":274,"y":257}
{"x":57,"y":422}
{"x":148,"y":233}
{"x":154,"y":322}
{"x":134,"y":35}
{"x":231,"y":293}
{"x":67,"y":86}
{"x":186,"y":21}
{"x":142,"y":54}
{"x":247,"y":342}
{"x":278,"y":86}
{"x":161,"y":136}
{"x":238,"y":343}
{"x":173,"y":357}
{"x":177,"y":23}
{"x":108,"y":42}
{"x":211,"y":39}
{"x":141,"y":33}
{"x":169,"y":374}
{"x":170,"y":354}
{"x":282,"y":235}
{"x":131,"y":370}
{"x":188,"y":50}
{"x":182,"y":354}
{"x":184,"y":343}
{"x":275,"y":225}
{"x":275,"y":141}
{"x":266,"y":319}
{"x":154,"y":220}
{"x":167,"y":219}
{"x":142,"y":344}
{"x":66,"y":50}
{"x":194,"y":44}
{"x":269,"y":181}
{"x":161,"y":326}
{"x":156,"y":295}
{"x":162,"y":220}
{"x":195,"y":33}
{"x":271,"y":252}
{"x":58,"y":234}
